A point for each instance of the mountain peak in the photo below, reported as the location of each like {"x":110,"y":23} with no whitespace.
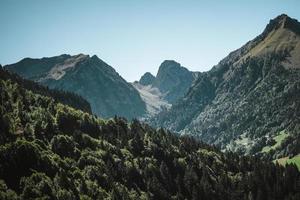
{"x":147,"y":79}
{"x":169,"y":66}
{"x":169,"y":63}
{"x":283,"y":21}
{"x":173,"y":80}
{"x":95,"y":57}
{"x":281,"y":36}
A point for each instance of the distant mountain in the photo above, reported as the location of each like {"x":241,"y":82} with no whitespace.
{"x":153,"y":99}
{"x":147,"y":79}
{"x":170,"y":84}
{"x":67,"y":98}
{"x":250,"y":101}
{"x":108,"y":93}
{"x":173,"y":80}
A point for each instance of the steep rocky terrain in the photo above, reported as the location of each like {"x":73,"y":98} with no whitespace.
{"x":108,"y":93}
{"x":251,"y":97}
{"x":147,"y":79}
{"x":173,"y":80}
{"x":153,"y":99}
{"x":170,"y":84}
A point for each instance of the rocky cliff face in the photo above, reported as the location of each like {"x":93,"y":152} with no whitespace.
{"x":147,"y":79}
{"x":108,"y":93}
{"x":173,"y":80}
{"x":250,"y":97}
{"x":170,"y":84}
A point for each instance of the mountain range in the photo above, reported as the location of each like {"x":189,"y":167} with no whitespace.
{"x":249,"y":99}
{"x":229,"y":133}
{"x":108,"y":93}
{"x":243,"y":104}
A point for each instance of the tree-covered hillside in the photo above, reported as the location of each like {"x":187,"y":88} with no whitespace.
{"x":63,"y":97}
{"x":51,"y":151}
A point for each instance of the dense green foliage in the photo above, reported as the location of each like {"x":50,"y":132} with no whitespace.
{"x":63,"y":97}
{"x":52,"y":151}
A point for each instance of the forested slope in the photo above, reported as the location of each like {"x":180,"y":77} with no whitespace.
{"x":63,"y":97}
{"x":51,"y":151}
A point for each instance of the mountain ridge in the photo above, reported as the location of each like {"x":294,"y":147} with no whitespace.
{"x":248,"y":98}
{"x":278,"y":23}
{"x":108,"y":93}
{"x":147,"y":79}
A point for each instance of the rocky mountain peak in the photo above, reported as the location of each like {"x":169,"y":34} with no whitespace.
{"x":95,"y":57}
{"x":173,"y":80}
{"x":147,"y":79}
{"x":168,"y":65}
{"x":170,"y":69}
{"x":283,"y":21}
{"x":281,"y":37}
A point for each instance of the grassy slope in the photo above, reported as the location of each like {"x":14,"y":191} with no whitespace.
{"x":279,"y":138}
{"x":287,"y":160}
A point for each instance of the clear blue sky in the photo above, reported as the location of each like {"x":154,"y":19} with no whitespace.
{"x":135,"y":36}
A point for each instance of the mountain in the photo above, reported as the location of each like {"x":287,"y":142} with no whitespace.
{"x":52,"y":151}
{"x":147,"y":79}
{"x":250,"y":101}
{"x":170,"y":84}
{"x":173,"y":80}
{"x":153,"y":99}
{"x":63,"y":97}
{"x":108,"y":93}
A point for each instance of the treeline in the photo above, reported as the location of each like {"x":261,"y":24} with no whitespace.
{"x":64,"y":97}
{"x":51,"y":151}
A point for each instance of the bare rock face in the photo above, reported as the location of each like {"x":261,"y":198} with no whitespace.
{"x":173,"y":80}
{"x":147,"y":79}
{"x":153,"y":99}
{"x":170,"y":84}
{"x":249,"y":97}
{"x":108,"y":93}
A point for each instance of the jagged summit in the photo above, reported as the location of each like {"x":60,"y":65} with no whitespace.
{"x":281,"y":37}
{"x":173,"y":80}
{"x":166,"y":63}
{"x":147,"y":79}
{"x":168,"y":66}
{"x":283,"y":21}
